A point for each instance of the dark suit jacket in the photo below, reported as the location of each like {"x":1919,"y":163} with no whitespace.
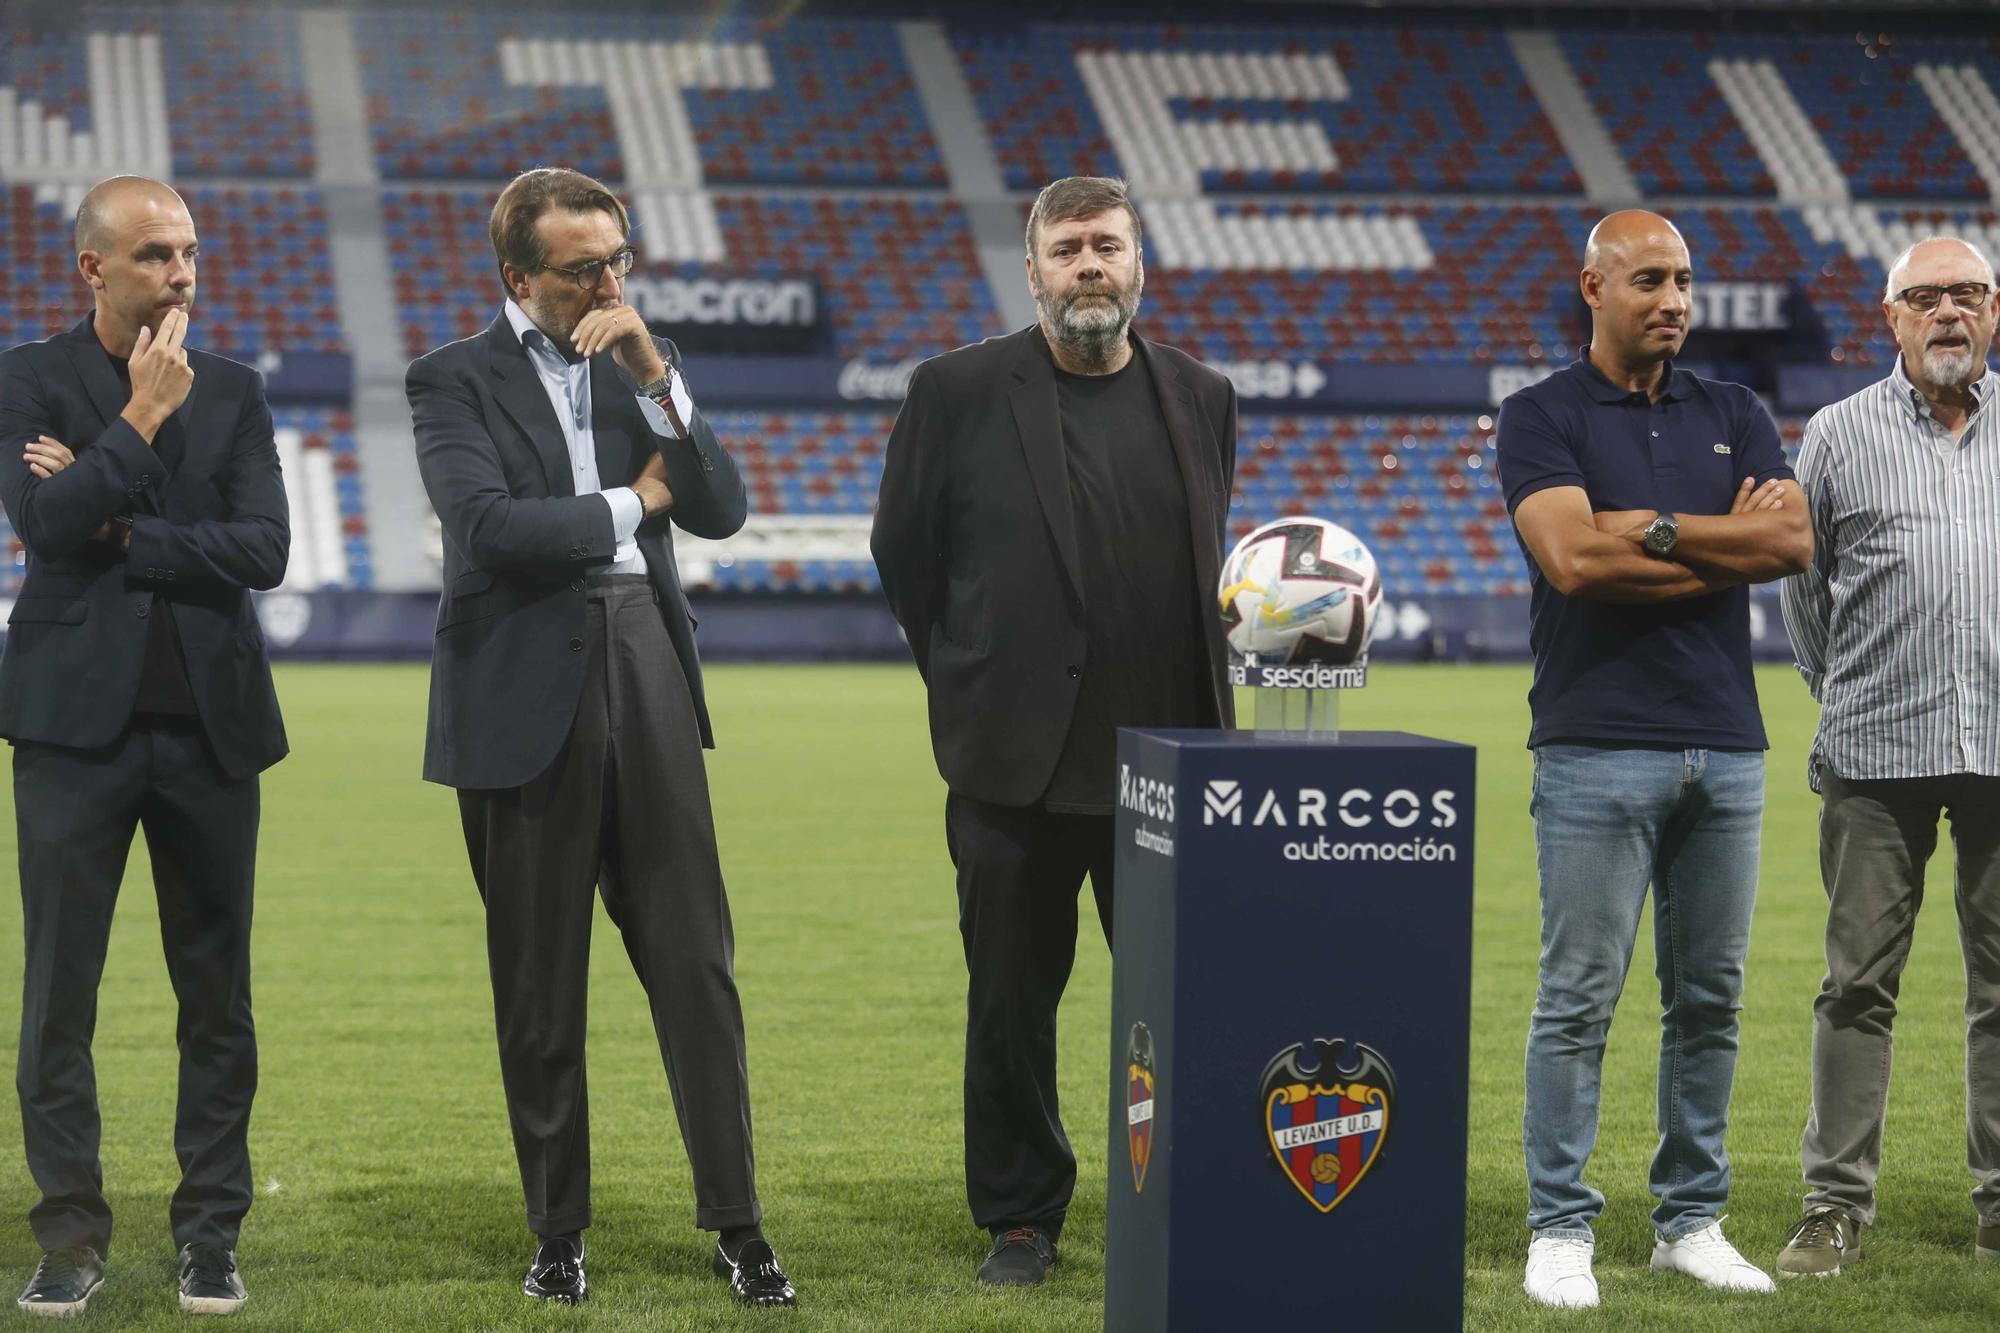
{"x":976,"y":544}
{"x":507,"y":668}
{"x":209,"y":522}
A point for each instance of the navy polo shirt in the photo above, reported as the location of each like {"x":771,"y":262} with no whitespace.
{"x":1672,"y":673}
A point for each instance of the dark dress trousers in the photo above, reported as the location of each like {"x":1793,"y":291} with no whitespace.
{"x":976,"y":541}
{"x":137,"y":693}
{"x":566,"y":707}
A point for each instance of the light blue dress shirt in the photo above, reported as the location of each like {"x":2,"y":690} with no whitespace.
{"x":568,"y":387}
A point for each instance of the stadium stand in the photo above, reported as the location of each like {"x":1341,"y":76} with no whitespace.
{"x":899,"y":276}
{"x":1443,"y":110}
{"x":84,"y":92}
{"x":814,"y":102}
{"x":788,"y":147}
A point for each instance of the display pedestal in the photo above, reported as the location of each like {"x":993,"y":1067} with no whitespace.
{"x":1291,"y":992}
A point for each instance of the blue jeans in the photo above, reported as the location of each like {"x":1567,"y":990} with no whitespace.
{"x":1610,"y":820}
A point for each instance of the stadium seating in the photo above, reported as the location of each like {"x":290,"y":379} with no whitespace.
{"x":899,"y":276}
{"x":266,"y":281}
{"x":1499,"y":290}
{"x":1873,"y":114}
{"x":229,"y":84}
{"x":1444,"y":110}
{"x":1419,"y":489}
{"x":1834,"y":115}
{"x":838,"y":107}
{"x":1661,"y":107}
{"x":323,"y":484}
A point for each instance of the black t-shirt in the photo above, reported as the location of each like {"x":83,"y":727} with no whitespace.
{"x":163,"y":679}
{"x":1145,"y":663}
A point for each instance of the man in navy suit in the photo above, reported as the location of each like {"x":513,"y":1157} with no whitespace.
{"x":567,"y":709}
{"x":142,"y":477}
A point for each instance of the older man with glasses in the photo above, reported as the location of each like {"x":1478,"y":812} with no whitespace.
{"x":1896,"y":627}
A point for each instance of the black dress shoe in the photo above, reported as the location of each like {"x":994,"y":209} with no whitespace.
{"x":63,"y":1281}
{"x":754,"y":1276}
{"x":557,"y":1272}
{"x":209,"y":1281}
{"x":1020,"y":1258}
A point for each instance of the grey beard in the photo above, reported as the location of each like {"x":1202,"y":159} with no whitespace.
{"x":1951,"y":370}
{"x":1092,"y":338}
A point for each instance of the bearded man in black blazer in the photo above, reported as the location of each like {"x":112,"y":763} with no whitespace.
{"x":1049,"y":533}
{"x":142,"y":478}
{"x":567,"y":709}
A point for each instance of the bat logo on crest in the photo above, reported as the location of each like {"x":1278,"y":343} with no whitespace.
{"x":1325,"y":1123}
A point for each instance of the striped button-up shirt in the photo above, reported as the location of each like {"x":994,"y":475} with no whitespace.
{"x":1896,"y":627}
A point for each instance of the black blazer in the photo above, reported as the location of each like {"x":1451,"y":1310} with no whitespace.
{"x":209,"y":522}
{"x":976,"y":545}
{"x":507,"y":667}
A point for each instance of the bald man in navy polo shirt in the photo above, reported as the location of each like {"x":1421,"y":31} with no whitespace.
{"x":1646,"y":499}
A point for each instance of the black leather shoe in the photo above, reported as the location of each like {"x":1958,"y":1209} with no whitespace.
{"x":557,"y":1272}
{"x":210,"y":1283}
{"x":754,"y":1277}
{"x":63,"y":1281}
{"x":1020,"y":1258}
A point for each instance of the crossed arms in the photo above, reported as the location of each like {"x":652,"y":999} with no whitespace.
{"x":1766,"y":535}
{"x":59,"y":501}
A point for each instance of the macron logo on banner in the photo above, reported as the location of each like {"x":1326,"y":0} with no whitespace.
{"x":1222,"y":800}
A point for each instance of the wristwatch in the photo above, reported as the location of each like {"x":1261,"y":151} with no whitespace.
{"x":1662,"y":534}
{"x":661,"y":391}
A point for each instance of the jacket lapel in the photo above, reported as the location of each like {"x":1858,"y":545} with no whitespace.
{"x":93,"y":368}
{"x":1185,"y":431}
{"x":518,"y":390}
{"x":109,"y":397}
{"x":174,"y":437}
{"x":1038,"y":419}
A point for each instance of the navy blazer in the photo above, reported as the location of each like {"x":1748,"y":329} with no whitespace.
{"x":507,"y":666}
{"x":975,"y":540}
{"x":209,"y":522}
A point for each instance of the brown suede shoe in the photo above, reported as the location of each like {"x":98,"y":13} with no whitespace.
{"x":1825,"y":1240}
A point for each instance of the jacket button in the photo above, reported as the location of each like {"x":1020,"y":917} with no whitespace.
{"x":143,"y":612}
{"x":1074,"y":673}
{"x":576,"y":645}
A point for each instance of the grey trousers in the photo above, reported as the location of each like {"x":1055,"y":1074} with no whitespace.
{"x":1875,"y":838}
{"x":623,"y":809}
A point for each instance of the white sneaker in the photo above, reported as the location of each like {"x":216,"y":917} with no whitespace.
{"x":1711,"y":1260}
{"x":1559,"y":1272}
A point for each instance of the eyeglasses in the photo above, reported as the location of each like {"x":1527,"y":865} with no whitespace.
{"x":587,"y":276}
{"x":1964,"y":295}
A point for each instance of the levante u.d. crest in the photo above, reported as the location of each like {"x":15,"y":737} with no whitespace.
{"x":1141,"y":1093}
{"x":1325,"y":1122}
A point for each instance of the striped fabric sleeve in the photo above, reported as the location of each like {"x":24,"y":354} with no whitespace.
{"x":1806,"y":598}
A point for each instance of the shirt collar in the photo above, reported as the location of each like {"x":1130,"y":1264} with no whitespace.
{"x":1908,"y":392}
{"x":1675,"y":383}
{"x":532,"y":338}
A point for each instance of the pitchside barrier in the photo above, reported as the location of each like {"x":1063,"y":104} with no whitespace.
{"x":344,"y":624}
{"x":1291,"y":995}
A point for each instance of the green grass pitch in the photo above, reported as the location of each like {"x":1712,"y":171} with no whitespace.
{"x":388,"y":1196}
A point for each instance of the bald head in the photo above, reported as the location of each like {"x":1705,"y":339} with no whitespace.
{"x":113,"y":206}
{"x":1636,"y":279}
{"x":1939,"y":258}
{"x":1620,"y":234}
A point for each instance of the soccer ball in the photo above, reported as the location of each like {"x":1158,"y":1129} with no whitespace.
{"x":1300,"y":590}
